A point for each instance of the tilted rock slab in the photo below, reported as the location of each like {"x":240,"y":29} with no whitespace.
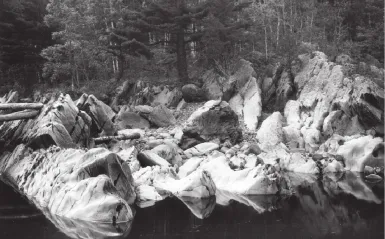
{"x":60,"y":122}
{"x":72,"y":183}
{"x":100,"y":113}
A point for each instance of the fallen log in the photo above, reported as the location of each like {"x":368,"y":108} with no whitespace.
{"x":19,"y":115}
{"x":21,"y":106}
{"x":119,"y":137}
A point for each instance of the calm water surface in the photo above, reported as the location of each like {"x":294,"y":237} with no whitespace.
{"x":342,"y":206}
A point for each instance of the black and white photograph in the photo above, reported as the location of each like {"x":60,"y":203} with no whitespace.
{"x":192,"y":119}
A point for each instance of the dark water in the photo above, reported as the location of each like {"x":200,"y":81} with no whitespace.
{"x":342,"y":206}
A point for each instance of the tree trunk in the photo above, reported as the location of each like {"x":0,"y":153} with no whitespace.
{"x":19,"y":115}
{"x":181,"y":56}
{"x":119,"y":137}
{"x":20,"y":106}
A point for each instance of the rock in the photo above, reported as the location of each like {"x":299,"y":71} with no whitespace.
{"x":284,"y":90}
{"x":201,"y":149}
{"x":161,"y":116}
{"x":292,"y":112}
{"x":130,"y":120}
{"x":168,"y":152}
{"x":334,"y":167}
{"x":248,"y":103}
{"x":362,"y":151}
{"x":59,"y":123}
{"x":373,"y":178}
{"x":198,"y":184}
{"x":100,"y":113}
{"x":299,"y":164}
{"x":368,"y":170}
{"x":72,"y":183}
{"x":250,"y":181}
{"x":189,"y":166}
{"x":214,"y":120}
{"x":252,"y":161}
{"x":178,"y":134}
{"x":237,"y":163}
{"x":144,"y":109}
{"x":323,"y":87}
{"x":270,"y":133}
{"x":148,"y":158}
{"x":253,"y":149}
{"x":312,"y":138}
{"x":167,"y":97}
{"x":181,"y":105}
{"x":213,"y":85}
{"x":343,"y":59}
{"x":147,"y":193}
{"x":129,"y":157}
{"x":192,"y":93}
{"x":293,"y":138}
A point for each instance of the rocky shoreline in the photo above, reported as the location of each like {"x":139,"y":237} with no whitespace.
{"x":197,"y":142}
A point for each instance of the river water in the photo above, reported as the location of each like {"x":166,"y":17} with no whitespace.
{"x":338,"y":206}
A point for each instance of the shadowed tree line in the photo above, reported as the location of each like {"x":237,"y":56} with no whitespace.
{"x":82,"y":41}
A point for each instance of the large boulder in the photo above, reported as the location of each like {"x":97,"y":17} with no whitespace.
{"x":169,"y":152}
{"x":159,"y":115}
{"x":72,"y":183}
{"x":362,"y":151}
{"x":214,"y":120}
{"x":130,"y":120}
{"x":299,"y":163}
{"x":323,"y":87}
{"x":192,"y":93}
{"x":100,"y":113}
{"x":270,"y":133}
{"x":247,"y":103}
{"x":60,"y":122}
{"x":213,"y":85}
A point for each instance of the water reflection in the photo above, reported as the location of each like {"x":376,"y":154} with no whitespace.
{"x":78,"y":229}
{"x":336,"y":206}
{"x":200,"y":207}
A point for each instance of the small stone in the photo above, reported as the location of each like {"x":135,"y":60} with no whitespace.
{"x":369,"y":170}
{"x":253,"y":149}
{"x":242,"y":156}
{"x":373,"y":178}
{"x":317,"y":157}
{"x":224,"y":149}
{"x":230,"y":152}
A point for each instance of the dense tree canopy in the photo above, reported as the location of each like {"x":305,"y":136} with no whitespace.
{"x":99,"y":39}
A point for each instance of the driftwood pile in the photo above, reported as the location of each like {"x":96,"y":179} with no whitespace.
{"x":10,"y":110}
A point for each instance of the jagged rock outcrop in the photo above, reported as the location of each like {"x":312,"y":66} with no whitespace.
{"x":247,"y":103}
{"x":59,"y":122}
{"x":100,"y":113}
{"x":72,"y":183}
{"x":323,"y":87}
{"x":362,"y":151}
{"x":168,"y":97}
{"x":214,"y":120}
{"x":257,"y":180}
{"x":155,"y":183}
{"x":270,"y":133}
